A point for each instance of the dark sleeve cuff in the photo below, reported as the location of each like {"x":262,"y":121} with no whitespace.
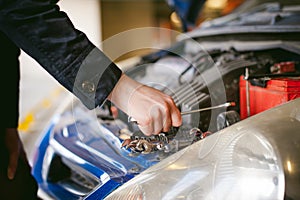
{"x":96,"y":78}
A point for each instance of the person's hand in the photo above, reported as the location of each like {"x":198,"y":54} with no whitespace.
{"x":14,"y":146}
{"x":153,"y":110}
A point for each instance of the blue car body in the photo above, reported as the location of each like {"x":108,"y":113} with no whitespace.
{"x":95,"y":154}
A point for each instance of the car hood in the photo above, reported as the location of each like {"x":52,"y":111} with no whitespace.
{"x":281,"y":21}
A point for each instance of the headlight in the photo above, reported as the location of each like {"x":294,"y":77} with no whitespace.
{"x":235,"y":164}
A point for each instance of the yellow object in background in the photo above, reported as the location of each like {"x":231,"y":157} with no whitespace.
{"x":42,"y":111}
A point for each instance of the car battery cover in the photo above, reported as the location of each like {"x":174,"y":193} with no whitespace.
{"x":275,"y":92}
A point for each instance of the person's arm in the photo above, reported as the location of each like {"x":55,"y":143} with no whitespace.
{"x":47,"y":34}
{"x":10,"y":140}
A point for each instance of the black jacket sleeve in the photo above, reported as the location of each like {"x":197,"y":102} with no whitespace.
{"x":45,"y":33}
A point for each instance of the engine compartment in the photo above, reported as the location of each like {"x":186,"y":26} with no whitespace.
{"x":198,"y":79}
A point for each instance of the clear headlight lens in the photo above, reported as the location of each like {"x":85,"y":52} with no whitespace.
{"x":227,"y":165}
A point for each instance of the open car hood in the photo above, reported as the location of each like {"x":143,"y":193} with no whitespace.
{"x":281,"y":21}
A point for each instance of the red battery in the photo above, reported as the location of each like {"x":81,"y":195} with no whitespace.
{"x":276,"y":92}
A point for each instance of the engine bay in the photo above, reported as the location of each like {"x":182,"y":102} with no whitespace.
{"x":200,"y":80}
